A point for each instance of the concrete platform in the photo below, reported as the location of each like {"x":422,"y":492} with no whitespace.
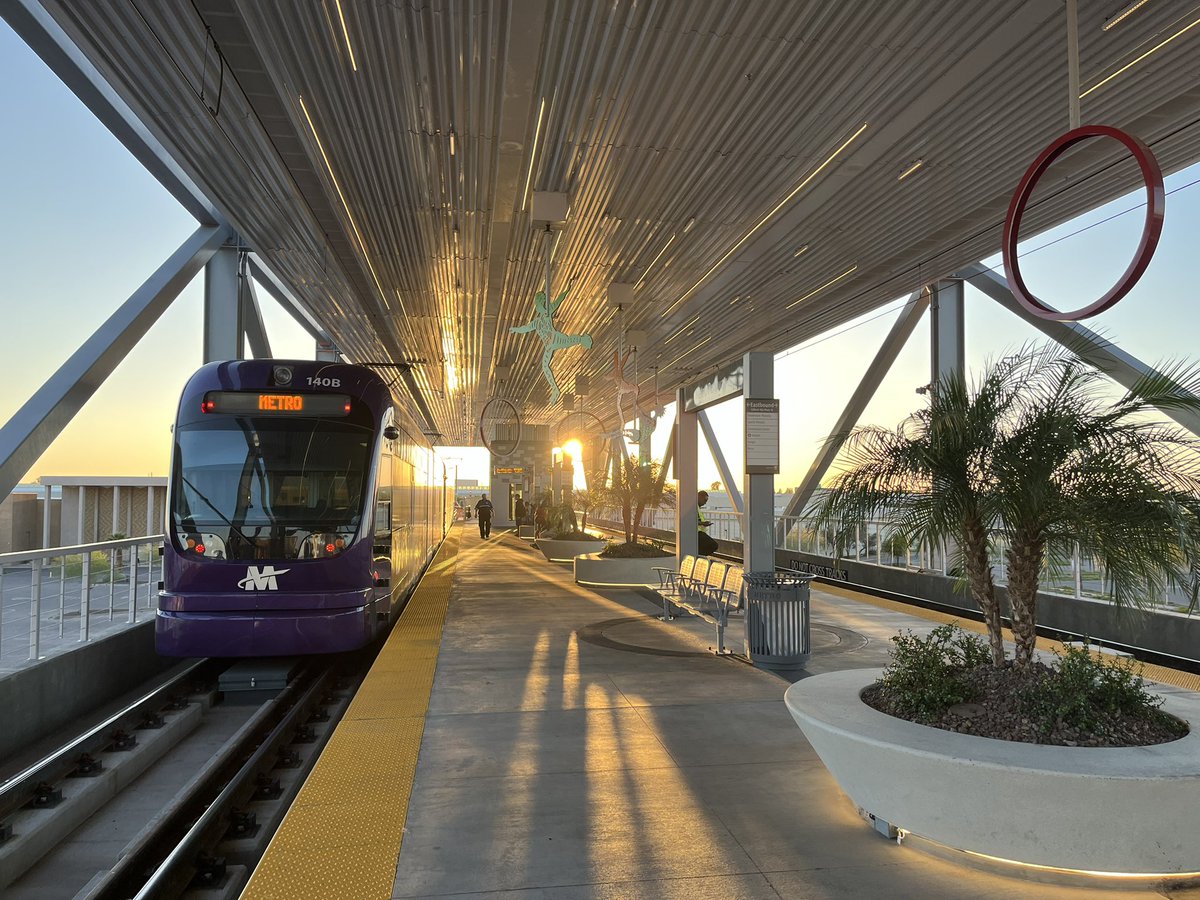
{"x":576,"y":747}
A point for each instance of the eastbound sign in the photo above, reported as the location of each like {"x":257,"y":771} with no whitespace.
{"x":762,"y":437}
{"x":508,"y":470}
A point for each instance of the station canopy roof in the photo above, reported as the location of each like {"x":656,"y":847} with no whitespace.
{"x":738,"y":164}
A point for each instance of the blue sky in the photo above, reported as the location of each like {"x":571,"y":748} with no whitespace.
{"x":84,"y":225}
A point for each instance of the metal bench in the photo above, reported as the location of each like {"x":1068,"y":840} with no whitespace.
{"x":711,"y":591}
{"x":672,"y":582}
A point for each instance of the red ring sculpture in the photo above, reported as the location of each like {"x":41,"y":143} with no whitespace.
{"x":1151,"y":229}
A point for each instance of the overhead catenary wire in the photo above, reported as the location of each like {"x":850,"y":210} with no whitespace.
{"x":900,"y":304}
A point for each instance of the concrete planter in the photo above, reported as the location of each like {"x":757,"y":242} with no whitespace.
{"x":1091,"y":809}
{"x":565,"y":551}
{"x":591,"y":569}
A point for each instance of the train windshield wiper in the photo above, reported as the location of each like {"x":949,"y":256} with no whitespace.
{"x":212,"y":506}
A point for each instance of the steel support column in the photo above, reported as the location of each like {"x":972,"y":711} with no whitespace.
{"x":686,"y":530}
{"x":903,"y":328}
{"x":947,"y":330}
{"x":251,"y":313}
{"x":1110,"y":359}
{"x":727,"y":479}
{"x":36,"y":424}
{"x":947,"y":356}
{"x":223,"y":337}
{"x":79,"y":538}
{"x":666,"y":462}
{"x":758,"y":517}
{"x":46,"y":492}
{"x":285,"y":298}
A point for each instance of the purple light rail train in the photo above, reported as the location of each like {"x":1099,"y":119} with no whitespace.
{"x":304,"y":505}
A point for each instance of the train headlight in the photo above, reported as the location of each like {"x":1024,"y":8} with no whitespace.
{"x":282,"y":374}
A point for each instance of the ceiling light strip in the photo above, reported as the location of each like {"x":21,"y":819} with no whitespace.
{"x":1117,"y":20}
{"x":537,"y":134}
{"x":1130,"y":65}
{"x":681,"y":330}
{"x":780,"y":205}
{"x":688,"y":353}
{"x":345,"y":206}
{"x":853,"y":268}
{"x":638,"y":284}
{"x":346,"y":34}
{"x":916,"y":164}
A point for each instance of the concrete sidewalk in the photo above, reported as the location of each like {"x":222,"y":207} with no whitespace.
{"x":577,"y":747}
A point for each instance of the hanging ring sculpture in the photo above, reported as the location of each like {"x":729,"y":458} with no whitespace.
{"x":1151,"y":228}
{"x":576,"y":425}
{"x":497,"y":445}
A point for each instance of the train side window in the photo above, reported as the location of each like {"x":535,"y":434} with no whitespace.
{"x":383,"y":517}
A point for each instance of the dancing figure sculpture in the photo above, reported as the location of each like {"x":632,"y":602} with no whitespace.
{"x":552,"y":339}
{"x":624,"y":385}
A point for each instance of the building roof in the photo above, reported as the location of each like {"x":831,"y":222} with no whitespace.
{"x":741,"y":164}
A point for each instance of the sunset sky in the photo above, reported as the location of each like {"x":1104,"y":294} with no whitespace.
{"x":84,"y":226}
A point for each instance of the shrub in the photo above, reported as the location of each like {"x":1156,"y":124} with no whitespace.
{"x":1088,"y":694}
{"x":924,"y":679}
{"x":629,"y":550}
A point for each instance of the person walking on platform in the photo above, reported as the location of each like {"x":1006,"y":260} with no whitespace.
{"x":483,"y":511}
{"x":706,"y":545}
{"x":541,"y":517}
{"x":519,"y":511}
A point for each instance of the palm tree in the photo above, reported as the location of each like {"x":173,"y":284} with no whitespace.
{"x":1073,"y":469}
{"x":635,"y":489}
{"x":1034,"y":454}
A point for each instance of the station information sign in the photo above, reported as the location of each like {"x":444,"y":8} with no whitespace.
{"x":508,"y":470}
{"x":247,"y":403}
{"x":762,"y":437}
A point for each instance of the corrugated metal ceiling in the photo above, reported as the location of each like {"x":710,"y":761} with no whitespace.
{"x":391,"y":189}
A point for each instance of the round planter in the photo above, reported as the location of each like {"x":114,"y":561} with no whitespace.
{"x":591,"y":569}
{"x":1095,"y":810}
{"x":565,"y":551}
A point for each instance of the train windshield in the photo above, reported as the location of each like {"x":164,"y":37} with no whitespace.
{"x":269,"y":488}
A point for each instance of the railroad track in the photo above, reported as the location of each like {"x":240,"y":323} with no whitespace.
{"x":212,"y":833}
{"x":45,"y":800}
{"x":215,"y":832}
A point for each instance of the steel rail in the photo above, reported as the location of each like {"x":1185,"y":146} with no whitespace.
{"x":164,"y":861}
{"x":16,"y":790}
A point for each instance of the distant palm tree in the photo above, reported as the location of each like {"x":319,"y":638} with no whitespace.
{"x":1034,"y":454}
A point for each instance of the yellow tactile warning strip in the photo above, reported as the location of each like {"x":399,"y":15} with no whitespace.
{"x":1162,"y":674}
{"x":342,"y":835}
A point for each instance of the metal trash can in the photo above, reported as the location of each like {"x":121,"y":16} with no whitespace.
{"x":778,"y":635}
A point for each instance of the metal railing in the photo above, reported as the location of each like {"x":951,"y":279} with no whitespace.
{"x":726,"y":524}
{"x":61,"y":596}
{"x":874,"y":543}
{"x":879,"y":543}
